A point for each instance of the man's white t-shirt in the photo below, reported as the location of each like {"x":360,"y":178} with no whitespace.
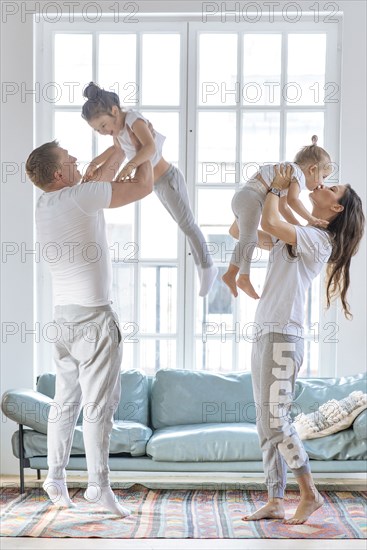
{"x":281,"y":307}
{"x":71,"y":231}
{"x":127,"y":145}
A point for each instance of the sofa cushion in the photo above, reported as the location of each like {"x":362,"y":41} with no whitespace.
{"x":27,"y":407}
{"x":310,"y":393}
{"x":239,"y":442}
{"x":360,"y":426}
{"x":133,"y":405}
{"x":126,"y":437}
{"x":197,"y":397}
{"x":205,"y":443}
{"x":339,"y":446}
{"x":134,"y":400}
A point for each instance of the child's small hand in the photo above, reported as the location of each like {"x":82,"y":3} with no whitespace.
{"x":126,"y":172}
{"x":283,"y":176}
{"x":90,"y":173}
{"x":318,"y":222}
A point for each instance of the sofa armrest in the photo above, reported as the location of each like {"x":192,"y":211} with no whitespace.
{"x":27,"y":407}
{"x":360,"y":425}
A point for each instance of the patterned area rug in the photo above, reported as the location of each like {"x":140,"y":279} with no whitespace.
{"x":199,"y":514}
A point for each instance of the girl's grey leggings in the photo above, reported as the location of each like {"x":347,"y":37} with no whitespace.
{"x":247,"y":206}
{"x":276,"y":360}
{"x":171,"y":190}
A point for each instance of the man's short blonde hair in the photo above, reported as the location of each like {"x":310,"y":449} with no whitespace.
{"x":42,"y":164}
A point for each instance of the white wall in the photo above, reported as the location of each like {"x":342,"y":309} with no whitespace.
{"x":351,"y":350}
{"x":17,"y":207}
{"x":16,"y":220}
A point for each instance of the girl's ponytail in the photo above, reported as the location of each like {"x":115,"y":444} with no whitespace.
{"x":99,"y":102}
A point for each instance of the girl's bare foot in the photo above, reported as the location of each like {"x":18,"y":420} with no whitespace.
{"x":272,"y":510}
{"x":307,"y":506}
{"x":243,"y":282}
{"x":230,"y":280}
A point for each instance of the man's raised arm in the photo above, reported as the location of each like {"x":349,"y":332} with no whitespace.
{"x":134,"y":189}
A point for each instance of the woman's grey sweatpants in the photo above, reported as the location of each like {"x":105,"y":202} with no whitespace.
{"x":171,"y":190}
{"x":88,"y":355}
{"x":247,"y":205}
{"x":275,"y":363}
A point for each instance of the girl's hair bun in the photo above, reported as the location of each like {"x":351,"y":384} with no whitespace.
{"x":314,"y":140}
{"x":91,"y":91}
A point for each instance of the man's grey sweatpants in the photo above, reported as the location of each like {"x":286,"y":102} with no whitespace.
{"x":275,"y":363}
{"x":88,"y":357}
{"x":171,"y":190}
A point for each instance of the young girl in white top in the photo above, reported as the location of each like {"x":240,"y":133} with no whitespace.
{"x":310,"y":167}
{"x":135,"y":136}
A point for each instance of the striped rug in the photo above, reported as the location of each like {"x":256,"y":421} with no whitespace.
{"x":199,"y":514}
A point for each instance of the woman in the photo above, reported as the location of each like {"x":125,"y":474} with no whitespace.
{"x":298,"y":254}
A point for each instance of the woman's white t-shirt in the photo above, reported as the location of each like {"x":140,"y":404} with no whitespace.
{"x":125,"y":141}
{"x":281,"y":307}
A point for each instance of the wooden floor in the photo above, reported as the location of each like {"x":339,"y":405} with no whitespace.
{"x":355,"y":482}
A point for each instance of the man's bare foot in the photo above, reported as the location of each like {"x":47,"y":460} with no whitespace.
{"x":272,"y":510}
{"x":307,"y":506}
{"x":230,"y":280}
{"x":243,"y":282}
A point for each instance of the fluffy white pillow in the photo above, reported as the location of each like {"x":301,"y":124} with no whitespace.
{"x":333,"y":416}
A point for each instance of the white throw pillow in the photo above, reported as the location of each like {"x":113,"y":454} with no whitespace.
{"x":333,"y":416}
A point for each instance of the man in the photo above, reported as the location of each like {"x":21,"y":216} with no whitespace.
{"x":72,"y":234}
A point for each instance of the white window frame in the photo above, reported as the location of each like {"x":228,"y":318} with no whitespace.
{"x":189,"y":26}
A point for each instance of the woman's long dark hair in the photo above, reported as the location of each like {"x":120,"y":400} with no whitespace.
{"x":346,"y":231}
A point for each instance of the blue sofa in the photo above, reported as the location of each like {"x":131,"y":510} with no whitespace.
{"x":187,"y":421}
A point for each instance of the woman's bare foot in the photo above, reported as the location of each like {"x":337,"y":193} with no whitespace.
{"x":229,"y":279}
{"x":272,"y":510}
{"x":243,"y":282}
{"x":307,"y":506}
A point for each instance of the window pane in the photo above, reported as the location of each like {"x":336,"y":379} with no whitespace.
{"x":73,"y":66}
{"x":306,"y":69}
{"x":103,"y":142}
{"x":244,"y":351}
{"x":215,"y":223}
{"x":129,"y":348}
{"x":158,"y":299}
{"x":310,"y":365}
{"x":261,"y":69}
{"x":214,"y":355}
{"x":247,"y":306}
{"x":161,"y":69}
{"x":157,"y":354}
{"x":218,"y":83}
{"x":168,"y":125}
{"x":75,"y":136}
{"x":158,"y":230}
{"x":216,"y":147}
{"x":300,"y":128}
{"x":120,"y":232}
{"x":260,"y":141}
{"x":117,"y":66}
{"x":123,"y":297}
{"x":217,"y":310}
